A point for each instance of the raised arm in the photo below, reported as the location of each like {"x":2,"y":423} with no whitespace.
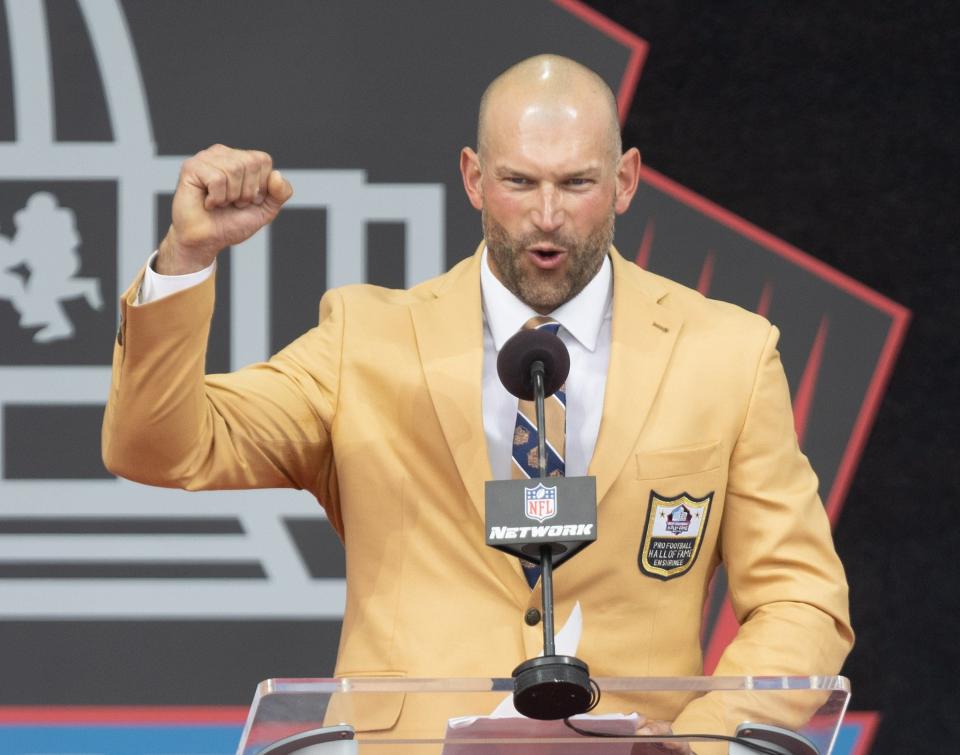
{"x":267,"y":425}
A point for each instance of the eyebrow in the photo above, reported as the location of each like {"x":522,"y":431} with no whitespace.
{"x":588,"y":172}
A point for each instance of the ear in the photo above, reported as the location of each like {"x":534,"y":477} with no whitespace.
{"x":628,"y":176}
{"x":472,"y":175}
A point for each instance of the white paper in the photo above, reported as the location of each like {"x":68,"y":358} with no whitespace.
{"x":512,"y":728}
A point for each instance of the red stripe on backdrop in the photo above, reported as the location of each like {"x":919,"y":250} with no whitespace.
{"x":706,"y":274}
{"x":807,"y":387}
{"x":868,"y":412}
{"x":766,"y":298}
{"x":643,"y":254}
{"x":868,"y":721}
{"x":133,"y":714}
{"x":638,"y":49}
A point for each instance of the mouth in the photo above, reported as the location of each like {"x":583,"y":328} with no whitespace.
{"x":545,"y":256}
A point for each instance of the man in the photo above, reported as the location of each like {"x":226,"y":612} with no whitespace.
{"x":390,"y":413}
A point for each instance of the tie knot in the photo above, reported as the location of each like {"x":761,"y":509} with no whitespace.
{"x":542,"y":322}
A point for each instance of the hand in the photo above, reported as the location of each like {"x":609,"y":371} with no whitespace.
{"x":650,"y":727}
{"x":223,"y":197}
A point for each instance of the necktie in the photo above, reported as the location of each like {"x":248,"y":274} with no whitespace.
{"x":526,"y":441}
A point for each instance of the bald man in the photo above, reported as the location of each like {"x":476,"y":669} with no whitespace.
{"x":389,"y":412}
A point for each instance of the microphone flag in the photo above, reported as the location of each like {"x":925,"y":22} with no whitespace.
{"x":522,"y":515}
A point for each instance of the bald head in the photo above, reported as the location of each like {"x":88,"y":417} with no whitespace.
{"x":548,"y":178}
{"x":548,"y":88}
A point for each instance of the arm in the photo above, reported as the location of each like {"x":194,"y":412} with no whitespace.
{"x":786,"y":583}
{"x":266,"y":425}
{"x":168,"y":424}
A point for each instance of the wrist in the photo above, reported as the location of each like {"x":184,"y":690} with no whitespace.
{"x":172,"y":259}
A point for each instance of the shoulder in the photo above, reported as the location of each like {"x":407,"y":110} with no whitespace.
{"x":711,"y":326}
{"x":364,"y":293}
{"x":714,"y":315}
{"x":693,"y":306}
{"x":366,"y":301}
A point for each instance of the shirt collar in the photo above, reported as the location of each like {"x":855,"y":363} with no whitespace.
{"x":582,"y":316}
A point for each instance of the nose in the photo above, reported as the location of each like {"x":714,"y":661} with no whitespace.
{"x":547,"y":214}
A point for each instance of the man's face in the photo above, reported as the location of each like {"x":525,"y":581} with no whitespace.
{"x":547,"y":189}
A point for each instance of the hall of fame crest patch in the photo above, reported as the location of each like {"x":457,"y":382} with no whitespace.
{"x":672,"y":534}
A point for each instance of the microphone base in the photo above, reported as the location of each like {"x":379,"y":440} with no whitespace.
{"x":552,"y":687}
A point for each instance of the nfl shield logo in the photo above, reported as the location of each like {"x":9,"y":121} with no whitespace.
{"x":541,"y":502}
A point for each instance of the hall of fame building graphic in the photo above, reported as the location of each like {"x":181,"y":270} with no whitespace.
{"x":85,"y":548}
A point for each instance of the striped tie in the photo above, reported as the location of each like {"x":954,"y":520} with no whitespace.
{"x":526,"y":441}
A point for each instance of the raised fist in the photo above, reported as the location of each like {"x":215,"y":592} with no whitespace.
{"x":223,"y":197}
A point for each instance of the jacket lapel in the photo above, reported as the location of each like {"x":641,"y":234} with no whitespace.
{"x":642,"y":339}
{"x":449,"y":331}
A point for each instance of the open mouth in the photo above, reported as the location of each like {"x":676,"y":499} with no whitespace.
{"x":546,"y":253}
{"x":547,"y":257}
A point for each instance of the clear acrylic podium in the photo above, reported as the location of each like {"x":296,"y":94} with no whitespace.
{"x":453,"y":716}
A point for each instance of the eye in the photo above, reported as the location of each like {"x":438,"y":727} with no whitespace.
{"x":579,"y":182}
{"x":518,"y":180}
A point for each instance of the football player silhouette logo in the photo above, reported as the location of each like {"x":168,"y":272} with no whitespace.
{"x":38,"y":265}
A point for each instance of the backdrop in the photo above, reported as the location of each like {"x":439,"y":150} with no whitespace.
{"x":798,"y":165}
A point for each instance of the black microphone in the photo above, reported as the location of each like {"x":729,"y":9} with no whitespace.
{"x":532,"y":365}
{"x":522,"y":351}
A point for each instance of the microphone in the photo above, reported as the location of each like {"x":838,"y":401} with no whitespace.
{"x":520,"y":354}
{"x":533,"y":365}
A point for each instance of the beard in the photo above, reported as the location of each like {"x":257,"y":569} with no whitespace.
{"x":539,"y":289}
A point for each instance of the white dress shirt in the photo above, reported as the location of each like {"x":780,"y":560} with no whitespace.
{"x":585,"y":330}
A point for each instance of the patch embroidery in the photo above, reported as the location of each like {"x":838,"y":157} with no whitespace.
{"x":672,"y":534}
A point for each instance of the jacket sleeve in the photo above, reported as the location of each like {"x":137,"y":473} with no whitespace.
{"x":266,"y":425}
{"x":786,"y":583}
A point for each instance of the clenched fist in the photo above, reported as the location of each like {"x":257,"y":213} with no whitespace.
{"x":223,"y":197}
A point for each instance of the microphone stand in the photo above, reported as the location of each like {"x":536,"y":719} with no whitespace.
{"x":546,"y":552}
{"x":553,"y":686}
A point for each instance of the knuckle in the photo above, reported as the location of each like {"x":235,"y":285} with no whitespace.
{"x":252,"y":165}
{"x":211,"y":152}
{"x":217,"y":183}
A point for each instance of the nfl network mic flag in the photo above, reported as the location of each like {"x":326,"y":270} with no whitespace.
{"x":522,"y":515}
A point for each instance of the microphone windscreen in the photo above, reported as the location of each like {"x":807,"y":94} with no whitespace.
{"x":520,"y":352}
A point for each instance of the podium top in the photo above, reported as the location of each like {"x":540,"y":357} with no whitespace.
{"x":450,"y":714}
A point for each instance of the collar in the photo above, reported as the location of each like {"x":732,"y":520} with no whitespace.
{"x":582,"y":316}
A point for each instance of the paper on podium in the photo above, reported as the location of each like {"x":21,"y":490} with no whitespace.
{"x":518,"y":727}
